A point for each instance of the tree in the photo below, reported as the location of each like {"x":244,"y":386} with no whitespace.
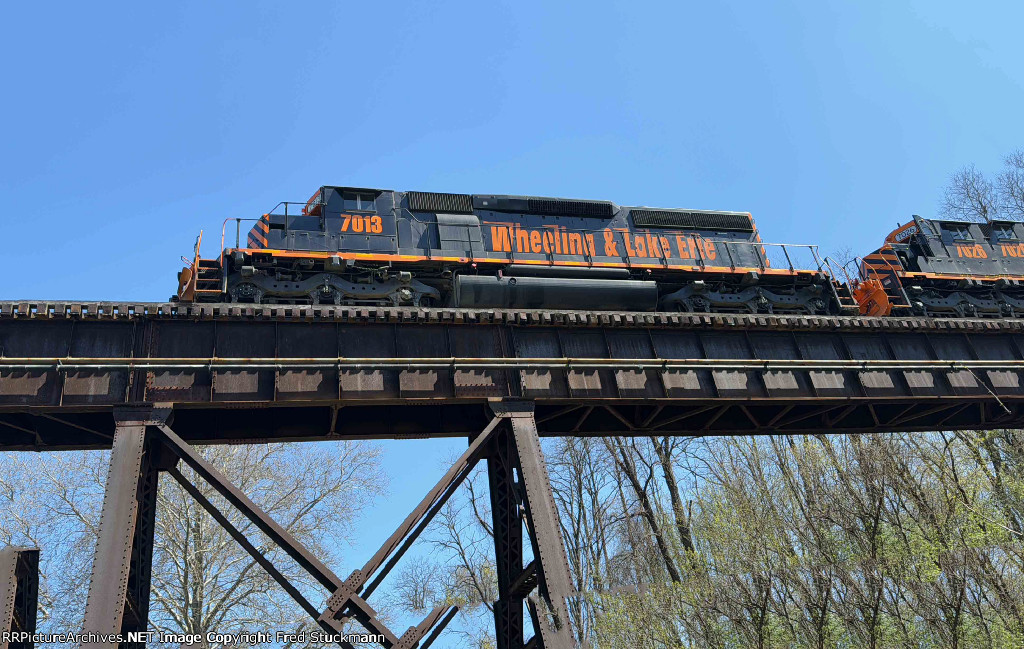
{"x":969,"y":196}
{"x":459,"y":568}
{"x":1011,"y":185}
{"x":909,"y":540}
{"x":202,"y":580}
{"x":52,"y":501}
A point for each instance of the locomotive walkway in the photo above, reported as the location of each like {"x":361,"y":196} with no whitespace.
{"x":150,"y":380}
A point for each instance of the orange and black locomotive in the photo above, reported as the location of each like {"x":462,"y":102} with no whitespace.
{"x":360,"y":246}
{"x":946,"y":269}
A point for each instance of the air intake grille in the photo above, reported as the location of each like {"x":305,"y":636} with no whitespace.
{"x":444,"y":203}
{"x":555,"y":207}
{"x":691,"y":220}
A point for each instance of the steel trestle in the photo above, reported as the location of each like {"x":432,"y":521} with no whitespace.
{"x":146,"y":444}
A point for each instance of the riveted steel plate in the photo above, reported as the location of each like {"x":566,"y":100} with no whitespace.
{"x":479,"y":342}
{"x":236,"y":372}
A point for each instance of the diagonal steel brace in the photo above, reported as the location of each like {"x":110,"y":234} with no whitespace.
{"x":348,"y":599}
{"x":345,"y":595}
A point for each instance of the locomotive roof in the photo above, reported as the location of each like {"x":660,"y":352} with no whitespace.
{"x":520,"y":202}
{"x":908,"y":229}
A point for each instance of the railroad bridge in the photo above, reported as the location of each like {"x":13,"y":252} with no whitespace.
{"x":152,"y":380}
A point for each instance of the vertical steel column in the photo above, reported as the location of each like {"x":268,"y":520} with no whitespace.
{"x":118,"y":601}
{"x":136,"y":612}
{"x":19,"y":588}
{"x":508,"y":541}
{"x":552,"y":565}
{"x":549,"y":570}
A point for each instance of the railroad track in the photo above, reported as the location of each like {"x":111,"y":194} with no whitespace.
{"x":58,"y":310}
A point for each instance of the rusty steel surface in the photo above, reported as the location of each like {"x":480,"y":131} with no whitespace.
{"x":19,"y":590}
{"x":550,"y":563}
{"x":259,"y":373}
{"x":414,"y":524}
{"x":110,"y":608}
{"x":506,"y":502}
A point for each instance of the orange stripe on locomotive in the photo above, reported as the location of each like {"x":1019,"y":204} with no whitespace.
{"x":257,"y":239}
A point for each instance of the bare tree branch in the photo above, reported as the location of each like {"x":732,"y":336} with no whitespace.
{"x":1011,"y":186}
{"x":969,"y":196}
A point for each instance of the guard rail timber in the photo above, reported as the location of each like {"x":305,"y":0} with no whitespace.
{"x":57,"y":310}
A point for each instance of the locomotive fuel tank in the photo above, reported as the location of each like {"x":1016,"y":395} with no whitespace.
{"x":566,"y":293}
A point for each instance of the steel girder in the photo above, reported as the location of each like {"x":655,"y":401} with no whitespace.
{"x":19,"y":588}
{"x":507,"y":523}
{"x":513,"y":503}
{"x":282,"y":374}
{"x":118,"y":601}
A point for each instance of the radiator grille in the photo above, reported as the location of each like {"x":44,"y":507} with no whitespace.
{"x":444,"y":203}
{"x":554,"y":207}
{"x":691,"y":220}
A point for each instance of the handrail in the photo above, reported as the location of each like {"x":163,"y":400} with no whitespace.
{"x":195,"y":264}
{"x":870,"y":273}
{"x":223,"y":227}
{"x":238,"y":232}
{"x":759,"y":249}
{"x":832,"y":272}
{"x":858,"y":264}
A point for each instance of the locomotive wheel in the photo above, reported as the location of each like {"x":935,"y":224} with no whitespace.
{"x":246,"y":292}
{"x":967,"y":310}
{"x":331,"y":297}
{"x":699,"y":305}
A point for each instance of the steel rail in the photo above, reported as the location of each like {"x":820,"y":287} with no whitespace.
{"x":467,"y":363}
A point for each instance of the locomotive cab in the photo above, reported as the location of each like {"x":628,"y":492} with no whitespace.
{"x":333,"y":219}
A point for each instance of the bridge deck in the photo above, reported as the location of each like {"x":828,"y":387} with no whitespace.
{"x":264,"y":373}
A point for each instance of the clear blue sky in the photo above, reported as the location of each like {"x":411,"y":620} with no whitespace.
{"x":127,"y":127}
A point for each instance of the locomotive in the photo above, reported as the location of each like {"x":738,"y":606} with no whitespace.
{"x":940,"y":268}
{"x":375,"y":247}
